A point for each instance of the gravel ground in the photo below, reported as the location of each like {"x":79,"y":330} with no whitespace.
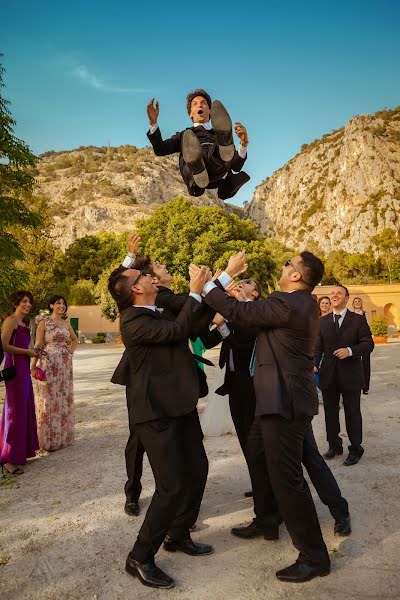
{"x":64,"y":534}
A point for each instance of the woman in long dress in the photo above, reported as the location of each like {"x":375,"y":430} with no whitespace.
{"x":366,"y":358}
{"x":55,"y":395}
{"x":18,"y":433}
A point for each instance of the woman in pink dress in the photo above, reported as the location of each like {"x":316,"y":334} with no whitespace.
{"x":54,"y":395}
{"x":18,"y":433}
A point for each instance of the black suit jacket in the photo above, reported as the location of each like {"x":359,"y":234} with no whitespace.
{"x":174,"y":144}
{"x":288,"y":327}
{"x":354,"y":333}
{"x":157,"y":367}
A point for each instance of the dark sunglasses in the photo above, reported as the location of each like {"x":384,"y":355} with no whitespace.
{"x":289,"y":263}
{"x":140,"y":275}
{"x":247,"y":281}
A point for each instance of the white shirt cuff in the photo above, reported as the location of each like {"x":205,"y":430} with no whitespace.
{"x":196,"y":296}
{"x":242,"y":151}
{"x":128,"y":260}
{"x":224,"y":330}
{"x":153,"y":128}
{"x":350,"y":351}
{"x":224,"y":280}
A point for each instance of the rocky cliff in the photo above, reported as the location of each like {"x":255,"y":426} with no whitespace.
{"x":339,"y":191}
{"x":107,"y":189}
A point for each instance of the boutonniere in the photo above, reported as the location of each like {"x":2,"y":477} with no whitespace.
{"x":160,"y":310}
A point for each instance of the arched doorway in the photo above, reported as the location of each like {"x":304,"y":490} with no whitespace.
{"x":391,"y":314}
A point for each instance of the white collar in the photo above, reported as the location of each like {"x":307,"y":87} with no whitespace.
{"x":207,"y":125}
{"x":144,"y":306}
{"x":341,"y":313}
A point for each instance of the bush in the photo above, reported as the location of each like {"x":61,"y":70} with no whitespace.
{"x":99,"y":338}
{"x":379,"y":327}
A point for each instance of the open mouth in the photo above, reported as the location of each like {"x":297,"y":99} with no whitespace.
{"x":200,"y":111}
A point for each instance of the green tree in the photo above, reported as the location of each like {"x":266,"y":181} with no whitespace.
{"x":87,"y":257}
{"x":16,"y":160}
{"x":387,"y":244}
{"x":82,"y":292}
{"x":179,"y":233}
{"x":103,"y":299}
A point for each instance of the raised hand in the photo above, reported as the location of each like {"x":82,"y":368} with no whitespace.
{"x":217,"y":273}
{"x":153,"y":111}
{"x":241,"y":132}
{"x":236,"y":264}
{"x":133,"y":243}
{"x":218,"y":320}
{"x":198,"y":277}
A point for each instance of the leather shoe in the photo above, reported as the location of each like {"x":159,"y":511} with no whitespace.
{"x":248,"y":494}
{"x":301,"y":571}
{"x":132,"y":509}
{"x":188,"y":546}
{"x":222,"y":125}
{"x":332,"y":452}
{"x":352,"y":459}
{"x":193,"y":157}
{"x":256,"y":530}
{"x":343,"y":526}
{"x":148,"y":573}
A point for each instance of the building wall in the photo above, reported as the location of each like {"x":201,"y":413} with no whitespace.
{"x":91,"y":320}
{"x":378,"y":300}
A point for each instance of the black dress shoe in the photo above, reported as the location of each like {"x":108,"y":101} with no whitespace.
{"x":248,"y":494}
{"x":256,"y":530}
{"x":365,"y":392}
{"x":188,"y":546}
{"x":332,"y":452}
{"x":300,"y":572}
{"x":132,"y":509}
{"x":148,"y":573}
{"x":193,"y":157}
{"x":352,"y":459}
{"x":222,"y":125}
{"x":343,"y":526}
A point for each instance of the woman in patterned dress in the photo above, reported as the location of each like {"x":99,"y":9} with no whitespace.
{"x":54,"y":395}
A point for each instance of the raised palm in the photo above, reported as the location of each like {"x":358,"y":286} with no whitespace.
{"x":153,"y":111}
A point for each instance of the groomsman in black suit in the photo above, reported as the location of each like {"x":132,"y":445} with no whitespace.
{"x":207,"y":155}
{"x":172,"y":304}
{"x":344,"y":337}
{"x":162,"y":391}
{"x":286,"y":398}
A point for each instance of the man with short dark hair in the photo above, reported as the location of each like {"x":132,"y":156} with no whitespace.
{"x":207,"y":155}
{"x":162,"y":390}
{"x":286,"y":398}
{"x":343,"y":338}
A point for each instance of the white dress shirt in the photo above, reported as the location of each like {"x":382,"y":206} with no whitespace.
{"x":342,"y":314}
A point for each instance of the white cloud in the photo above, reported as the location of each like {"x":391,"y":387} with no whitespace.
{"x":82,"y":73}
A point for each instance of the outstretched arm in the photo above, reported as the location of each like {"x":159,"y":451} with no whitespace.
{"x":161,"y":147}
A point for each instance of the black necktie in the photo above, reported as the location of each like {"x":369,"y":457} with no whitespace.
{"x":337,"y":317}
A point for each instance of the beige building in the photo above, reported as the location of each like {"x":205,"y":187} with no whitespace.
{"x":88,"y":320}
{"x":378,"y":300}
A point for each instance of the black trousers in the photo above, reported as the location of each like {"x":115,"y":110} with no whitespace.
{"x":366,"y":363}
{"x":134,"y":452}
{"x":215,"y":166}
{"x":174,"y":447}
{"x":275,"y":452}
{"x":352,"y":413}
{"x":242,"y":403}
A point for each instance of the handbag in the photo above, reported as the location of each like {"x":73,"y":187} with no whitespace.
{"x":9,"y":372}
{"x":40,"y":373}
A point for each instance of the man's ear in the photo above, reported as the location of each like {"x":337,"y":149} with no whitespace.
{"x":136,"y":289}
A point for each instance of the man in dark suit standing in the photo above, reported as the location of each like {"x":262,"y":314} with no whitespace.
{"x":286,"y":398}
{"x":207,"y":155}
{"x":343,"y":338}
{"x":162,"y":391}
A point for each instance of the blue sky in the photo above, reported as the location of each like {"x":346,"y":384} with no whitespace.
{"x":81,"y":72}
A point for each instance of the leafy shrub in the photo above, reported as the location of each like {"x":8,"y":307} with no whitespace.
{"x":98,"y":339}
{"x":379,"y":327}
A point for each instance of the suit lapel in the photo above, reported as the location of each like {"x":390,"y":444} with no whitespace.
{"x":345,"y":322}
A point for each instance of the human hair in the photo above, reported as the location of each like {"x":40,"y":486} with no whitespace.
{"x":120,"y":288}
{"x":144,"y":264}
{"x":54,"y":299}
{"x":257,"y":288}
{"x":358,"y":298}
{"x":17,"y":297}
{"x":192,"y":95}
{"x":320,"y":300}
{"x":312,"y":267}
{"x":344,"y":288}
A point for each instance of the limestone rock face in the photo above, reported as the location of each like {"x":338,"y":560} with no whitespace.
{"x":339,"y":191}
{"x":108,"y":189}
